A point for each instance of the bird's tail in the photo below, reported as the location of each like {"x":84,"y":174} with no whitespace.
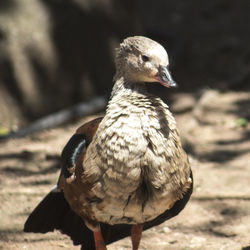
{"x":48,"y":214}
{"x":53,"y":212}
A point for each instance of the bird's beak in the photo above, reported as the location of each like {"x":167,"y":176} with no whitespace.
{"x":164,"y":77}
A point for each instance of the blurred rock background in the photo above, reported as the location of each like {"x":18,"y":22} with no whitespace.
{"x":55,"y":53}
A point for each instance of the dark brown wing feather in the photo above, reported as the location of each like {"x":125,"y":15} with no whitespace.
{"x":76,"y":147}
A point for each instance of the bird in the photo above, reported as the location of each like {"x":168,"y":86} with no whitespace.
{"x":124,"y":172}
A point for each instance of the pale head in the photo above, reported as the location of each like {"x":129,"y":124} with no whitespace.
{"x":140,"y":59}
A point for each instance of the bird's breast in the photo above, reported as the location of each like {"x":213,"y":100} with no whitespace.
{"x":128,"y":163}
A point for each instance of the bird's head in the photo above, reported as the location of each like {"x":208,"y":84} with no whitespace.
{"x":140,"y":59}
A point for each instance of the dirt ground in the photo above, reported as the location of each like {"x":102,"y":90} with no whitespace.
{"x":217,"y":138}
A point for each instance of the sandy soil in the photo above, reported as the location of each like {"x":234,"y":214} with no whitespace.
{"x":218,"y":215}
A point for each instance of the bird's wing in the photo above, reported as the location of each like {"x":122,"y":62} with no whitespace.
{"x":76,"y":147}
{"x":71,"y":180}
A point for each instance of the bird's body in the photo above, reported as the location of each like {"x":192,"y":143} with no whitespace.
{"x":129,"y":166}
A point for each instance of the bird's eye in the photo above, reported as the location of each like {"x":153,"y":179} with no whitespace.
{"x":145,"y":58}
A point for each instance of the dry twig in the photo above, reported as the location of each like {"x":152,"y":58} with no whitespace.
{"x":61,"y":117}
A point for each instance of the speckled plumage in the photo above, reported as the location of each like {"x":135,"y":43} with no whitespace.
{"x":135,"y":163}
{"x":126,"y":171}
{"x":136,"y":160}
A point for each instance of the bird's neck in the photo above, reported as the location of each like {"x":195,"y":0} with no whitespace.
{"x":123,"y":87}
{"x":133,"y":97}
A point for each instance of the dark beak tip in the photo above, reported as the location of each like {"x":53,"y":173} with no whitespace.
{"x":166,"y":78}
